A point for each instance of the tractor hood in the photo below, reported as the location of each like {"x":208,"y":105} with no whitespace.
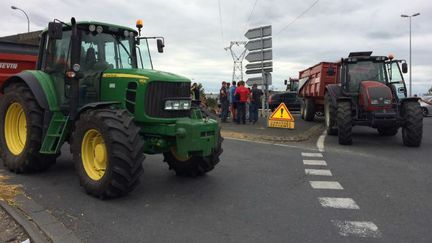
{"x":144,"y":74}
{"x":375,"y":95}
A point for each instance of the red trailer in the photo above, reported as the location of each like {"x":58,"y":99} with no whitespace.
{"x":312,"y":83}
{"x":18,"y":53}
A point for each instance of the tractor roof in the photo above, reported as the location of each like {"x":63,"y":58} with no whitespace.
{"x":101,"y":23}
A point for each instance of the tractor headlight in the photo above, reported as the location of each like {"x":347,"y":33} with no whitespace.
{"x":374,"y":102}
{"x":387,"y":101}
{"x":176,"y":105}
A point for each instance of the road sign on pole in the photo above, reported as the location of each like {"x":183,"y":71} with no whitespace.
{"x":259,"y":32}
{"x":259,"y":56}
{"x":260,"y":50}
{"x":259,"y":44}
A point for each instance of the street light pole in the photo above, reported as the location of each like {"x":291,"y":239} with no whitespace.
{"x":28,"y":20}
{"x":410,"y":62}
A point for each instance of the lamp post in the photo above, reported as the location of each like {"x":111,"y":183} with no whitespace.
{"x":28,"y":20}
{"x":410,"y":68}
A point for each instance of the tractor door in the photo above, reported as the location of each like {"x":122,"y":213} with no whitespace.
{"x":56,"y":59}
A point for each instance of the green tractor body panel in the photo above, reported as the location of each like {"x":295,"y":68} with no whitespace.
{"x":47,"y":84}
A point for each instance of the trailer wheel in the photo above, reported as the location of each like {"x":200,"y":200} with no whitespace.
{"x":387,"y":131}
{"x":302,"y":109}
{"x":330,"y":115}
{"x":309,"y":110}
{"x":193,"y":166}
{"x":412,"y":131}
{"x":344,"y":122}
{"x":21,"y":123}
{"x":108,"y":152}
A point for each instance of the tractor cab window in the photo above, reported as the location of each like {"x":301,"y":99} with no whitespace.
{"x":99,"y":52}
{"x":143,"y":53}
{"x":396,"y":75}
{"x":365,"y":71}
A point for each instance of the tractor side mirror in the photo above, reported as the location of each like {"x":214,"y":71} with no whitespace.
{"x":55,"y":30}
{"x":330,"y":71}
{"x":404,"y":67}
{"x":160,"y":45}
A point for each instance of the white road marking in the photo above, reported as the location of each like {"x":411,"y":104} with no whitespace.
{"x":320,"y":142}
{"x":318,"y":172}
{"x":331,"y":185}
{"x":357,"y":228}
{"x":338,"y":202}
{"x":319,"y":155}
{"x":314,"y":162}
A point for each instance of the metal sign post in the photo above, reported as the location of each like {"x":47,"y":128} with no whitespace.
{"x":260,"y":58}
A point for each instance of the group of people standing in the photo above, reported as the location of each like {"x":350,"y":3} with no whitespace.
{"x":236,"y":98}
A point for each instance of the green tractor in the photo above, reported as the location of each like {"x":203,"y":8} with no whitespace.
{"x":95,"y":88}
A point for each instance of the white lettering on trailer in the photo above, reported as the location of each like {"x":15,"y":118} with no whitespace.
{"x":8,"y":65}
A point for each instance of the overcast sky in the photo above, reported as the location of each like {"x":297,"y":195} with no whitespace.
{"x":195,"y":35}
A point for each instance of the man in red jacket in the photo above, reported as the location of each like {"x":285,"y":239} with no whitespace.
{"x":243,"y":94}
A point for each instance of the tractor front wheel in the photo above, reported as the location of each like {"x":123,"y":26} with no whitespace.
{"x":21,"y":123}
{"x":330,"y":115}
{"x":412,"y":131}
{"x":108,"y":152}
{"x":344,"y":123}
{"x":193,"y":166}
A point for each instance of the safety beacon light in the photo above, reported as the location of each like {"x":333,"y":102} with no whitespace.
{"x":139,"y":25}
{"x":391,"y":56}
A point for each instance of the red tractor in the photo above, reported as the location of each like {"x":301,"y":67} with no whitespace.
{"x":371,"y":92}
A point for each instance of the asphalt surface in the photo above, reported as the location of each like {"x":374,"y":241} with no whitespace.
{"x":258,"y":193}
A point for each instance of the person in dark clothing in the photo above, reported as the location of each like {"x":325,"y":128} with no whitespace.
{"x":223,"y":98}
{"x":243,"y":94}
{"x":195,"y":93}
{"x":255,"y":99}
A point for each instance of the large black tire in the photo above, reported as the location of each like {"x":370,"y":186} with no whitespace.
{"x":309,"y":110}
{"x":29,"y":159}
{"x":388,"y":131}
{"x":425,"y":111}
{"x":195,"y":165}
{"x":344,"y":123}
{"x":412,"y":131}
{"x":123,"y":148}
{"x":330,"y":115}
{"x":302,"y":109}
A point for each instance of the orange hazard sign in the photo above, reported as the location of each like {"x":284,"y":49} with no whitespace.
{"x":281,"y":118}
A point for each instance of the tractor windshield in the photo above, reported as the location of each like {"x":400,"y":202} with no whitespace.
{"x":365,"y":71}
{"x":106,"y":51}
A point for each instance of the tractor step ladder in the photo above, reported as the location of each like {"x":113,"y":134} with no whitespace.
{"x":56,"y":134}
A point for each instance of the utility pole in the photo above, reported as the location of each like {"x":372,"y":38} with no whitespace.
{"x":238,"y":60}
{"x":410,"y":62}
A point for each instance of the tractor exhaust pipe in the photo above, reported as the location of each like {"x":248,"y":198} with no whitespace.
{"x":74,"y":79}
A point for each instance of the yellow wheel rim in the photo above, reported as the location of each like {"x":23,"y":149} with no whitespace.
{"x":94,"y":154}
{"x":177,"y":156}
{"x":15,"y":128}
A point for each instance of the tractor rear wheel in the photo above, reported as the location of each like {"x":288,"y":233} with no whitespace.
{"x":108,"y":152}
{"x":344,"y":122}
{"x":387,"y":131}
{"x":309,"y":110}
{"x":21,"y":123}
{"x":412,"y":131}
{"x":330,"y":115}
{"x":193,"y":166}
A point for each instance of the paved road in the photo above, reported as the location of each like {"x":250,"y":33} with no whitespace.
{"x":379,"y":191}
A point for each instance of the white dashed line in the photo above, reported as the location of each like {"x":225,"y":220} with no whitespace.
{"x":314,"y":162}
{"x":320,"y":142}
{"x":338,"y":202}
{"x":319,"y":155}
{"x":357,"y":228}
{"x":331,"y":185}
{"x":318,"y":172}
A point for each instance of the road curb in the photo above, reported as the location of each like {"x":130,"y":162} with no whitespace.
{"x":40,"y":225}
{"x":35,"y":234}
{"x":315,"y":130}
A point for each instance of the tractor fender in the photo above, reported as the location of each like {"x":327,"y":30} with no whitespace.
{"x":96,"y":105}
{"x":410,"y":99}
{"x":41,"y":85}
{"x":335,"y":92}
